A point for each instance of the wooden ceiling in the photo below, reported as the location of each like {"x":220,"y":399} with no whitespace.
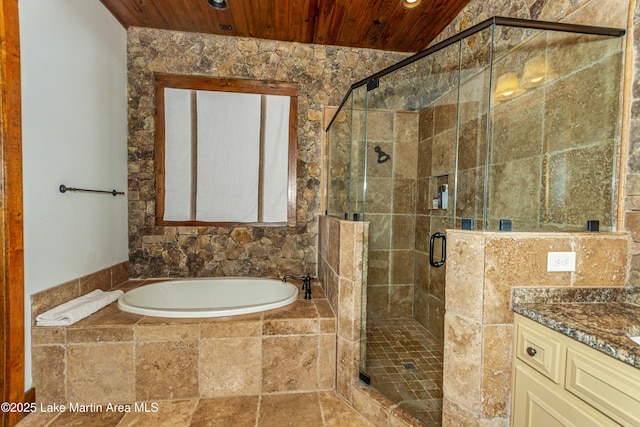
{"x":377,"y":24}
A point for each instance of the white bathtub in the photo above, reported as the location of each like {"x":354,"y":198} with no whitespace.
{"x":211,"y":297}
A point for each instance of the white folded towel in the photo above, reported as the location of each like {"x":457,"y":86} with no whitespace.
{"x":72,"y":311}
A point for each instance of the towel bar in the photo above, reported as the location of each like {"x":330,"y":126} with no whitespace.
{"x":64,"y":189}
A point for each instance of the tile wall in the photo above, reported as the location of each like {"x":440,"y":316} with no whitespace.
{"x":482,"y":269}
{"x":119,"y":357}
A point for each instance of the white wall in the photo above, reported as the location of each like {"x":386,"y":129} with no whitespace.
{"x":74,"y":117}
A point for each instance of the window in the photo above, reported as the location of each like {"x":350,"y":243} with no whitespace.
{"x":225,"y":151}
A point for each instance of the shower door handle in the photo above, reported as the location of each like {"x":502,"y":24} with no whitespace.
{"x":432,"y":242}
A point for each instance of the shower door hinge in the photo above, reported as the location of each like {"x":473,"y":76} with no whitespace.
{"x":373,"y":83}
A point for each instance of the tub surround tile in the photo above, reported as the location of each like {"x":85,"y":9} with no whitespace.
{"x":105,"y":279}
{"x":100,"y":373}
{"x":163,"y":358}
{"x":290,"y":363}
{"x":239,"y":374}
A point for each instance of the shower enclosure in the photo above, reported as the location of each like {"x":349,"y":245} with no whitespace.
{"x":510,"y":125}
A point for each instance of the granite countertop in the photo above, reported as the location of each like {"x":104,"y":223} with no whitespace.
{"x":601,"y":318}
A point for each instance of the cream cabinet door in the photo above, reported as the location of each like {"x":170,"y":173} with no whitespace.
{"x":537,"y":404}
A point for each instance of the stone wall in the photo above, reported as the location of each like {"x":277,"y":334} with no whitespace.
{"x":323,"y":74}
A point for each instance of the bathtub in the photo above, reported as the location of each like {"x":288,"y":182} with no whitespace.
{"x":211,"y":297}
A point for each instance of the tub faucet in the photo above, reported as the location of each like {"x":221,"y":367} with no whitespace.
{"x":306,"y":283}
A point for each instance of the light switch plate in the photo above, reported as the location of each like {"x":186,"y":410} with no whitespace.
{"x":561,"y":261}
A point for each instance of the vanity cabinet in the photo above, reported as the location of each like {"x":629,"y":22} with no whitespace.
{"x":559,"y":381}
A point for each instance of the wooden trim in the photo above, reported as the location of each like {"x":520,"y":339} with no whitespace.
{"x":11,"y":201}
{"x":163,"y":81}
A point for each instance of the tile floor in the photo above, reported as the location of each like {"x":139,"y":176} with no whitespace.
{"x":404,"y":361}
{"x":316,"y":409}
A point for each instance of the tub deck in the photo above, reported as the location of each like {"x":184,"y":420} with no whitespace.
{"x":118,"y":357}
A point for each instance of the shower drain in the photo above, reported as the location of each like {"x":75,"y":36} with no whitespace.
{"x":409,"y":366}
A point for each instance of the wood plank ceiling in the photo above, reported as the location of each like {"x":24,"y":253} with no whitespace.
{"x":377,"y":24}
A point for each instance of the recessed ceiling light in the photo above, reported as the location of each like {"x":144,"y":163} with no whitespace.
{"x":218,"y":4}
{"x":411,"y":4}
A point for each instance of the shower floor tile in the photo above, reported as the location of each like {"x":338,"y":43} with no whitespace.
{"x":404,"y":361}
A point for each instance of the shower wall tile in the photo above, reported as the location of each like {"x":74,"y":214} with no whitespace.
{"x":403,"y":231}
{"x":513,"y":191}
{"x":516,"y":130}
{"x":404,"y":196}
{"x":401,"y":301}
{"x":423,"y":232}
{"x":378,"y":301}
{"x":443,"y":154}
{"x":379,"y":268}
{"x":380,"y":126}
{"x":426,"y":120}
{"x":424,"y":166}
{"x":445,"y":115}
{"x":380,"y":236}
{"x":405,"y":161}
{"x":471,"y":142}
{"x":436,"y":318}
{"x":406,"y":127}
{"x":379,"y":195}
{"x":402,"y":267}
{"x":421,"y":306}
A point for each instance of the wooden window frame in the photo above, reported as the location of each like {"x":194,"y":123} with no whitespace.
{"x":163,"y":81}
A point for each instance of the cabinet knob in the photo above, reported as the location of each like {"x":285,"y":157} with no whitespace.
{"x":531,"y":351}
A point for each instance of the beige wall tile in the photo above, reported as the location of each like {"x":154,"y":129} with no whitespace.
{"x":496,"y":370}
{"x":170,"y":332}
{"x":347,"y":255}
{"x":48,"y":364}
{"x":98,"y":280}
{"x":348,"y":358}
{"x":406,"y":126}
{"x":463,"y":361}
{"x":101,"y":373}
{"x":518,"y":260}
{"x":601,"y":261}
{"x":465,"y":274}
{"x":455,"y":416}
{"x":289,"y":363}
{"x":98,"y":334}
{"x":48,"y":335}
{"x":166,"y":370}
{"x":230,"y":329}
{"x":230,"y":366}
{"x":327,"y":362}
{"x":291,"y":327}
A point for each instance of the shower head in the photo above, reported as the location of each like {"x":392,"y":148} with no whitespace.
{"x":382,"y":156}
